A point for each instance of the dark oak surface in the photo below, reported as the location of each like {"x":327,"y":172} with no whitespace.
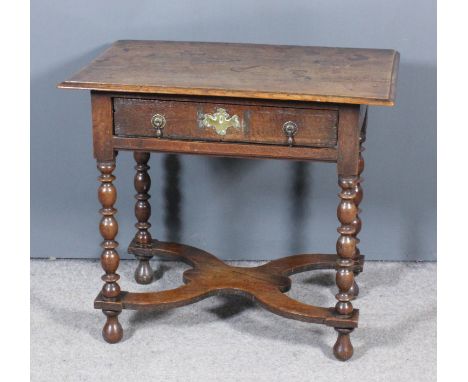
{"x":224,"y":149}
{"x":303,"y":73}
{"x":323,"y":92}
{"x":210,"y":276}
{"x":258,"y":124}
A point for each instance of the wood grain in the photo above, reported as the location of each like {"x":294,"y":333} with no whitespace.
{"x":223,"y":149}
{"x":102,"y":117}
{"x":349,"y":131}
{"x":210,"y":276}
{"x":259,"y":124}
{"x":303,"y":73}
{"x":325,"y":91}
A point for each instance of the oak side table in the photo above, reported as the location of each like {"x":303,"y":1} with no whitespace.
{"x":233,"y":100}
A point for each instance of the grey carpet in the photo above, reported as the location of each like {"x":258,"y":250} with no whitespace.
{"x":228,"y":338}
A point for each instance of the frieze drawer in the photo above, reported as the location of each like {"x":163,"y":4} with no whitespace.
{"x":230,"y":122}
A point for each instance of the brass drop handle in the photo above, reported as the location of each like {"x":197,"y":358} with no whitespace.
{"x":290,"y":130}
{"x":158,"y":121}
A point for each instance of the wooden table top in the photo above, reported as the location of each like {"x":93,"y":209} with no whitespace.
{"x":282,"y":72}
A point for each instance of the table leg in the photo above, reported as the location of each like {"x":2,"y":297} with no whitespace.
{"x":108,"y":227}
{"x":143,"y":273}
{"x":357,"y":223}
{"x":346,"y":249}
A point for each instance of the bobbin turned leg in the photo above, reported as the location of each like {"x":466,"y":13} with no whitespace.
{"x":354,"y":291}
{"x":346,"y":250}
{"x":143,"y":272}
{"x":357,"y":223}
{"x":107,"y":194}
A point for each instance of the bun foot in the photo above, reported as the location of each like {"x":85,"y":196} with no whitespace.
{"x":112,"y":331}
{"x":144,"y":273}
{"x":343,"y":349}
{"x":354,"y":290}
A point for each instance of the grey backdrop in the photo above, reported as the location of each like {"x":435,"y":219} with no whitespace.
{"x":238,"y":209}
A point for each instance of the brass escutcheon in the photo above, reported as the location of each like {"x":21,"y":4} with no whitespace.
{"x":221,"y":121}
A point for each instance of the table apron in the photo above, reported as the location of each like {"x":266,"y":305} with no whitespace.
{"x":224,"y":149}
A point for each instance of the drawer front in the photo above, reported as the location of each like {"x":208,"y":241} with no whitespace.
{"x":205,"y":121}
